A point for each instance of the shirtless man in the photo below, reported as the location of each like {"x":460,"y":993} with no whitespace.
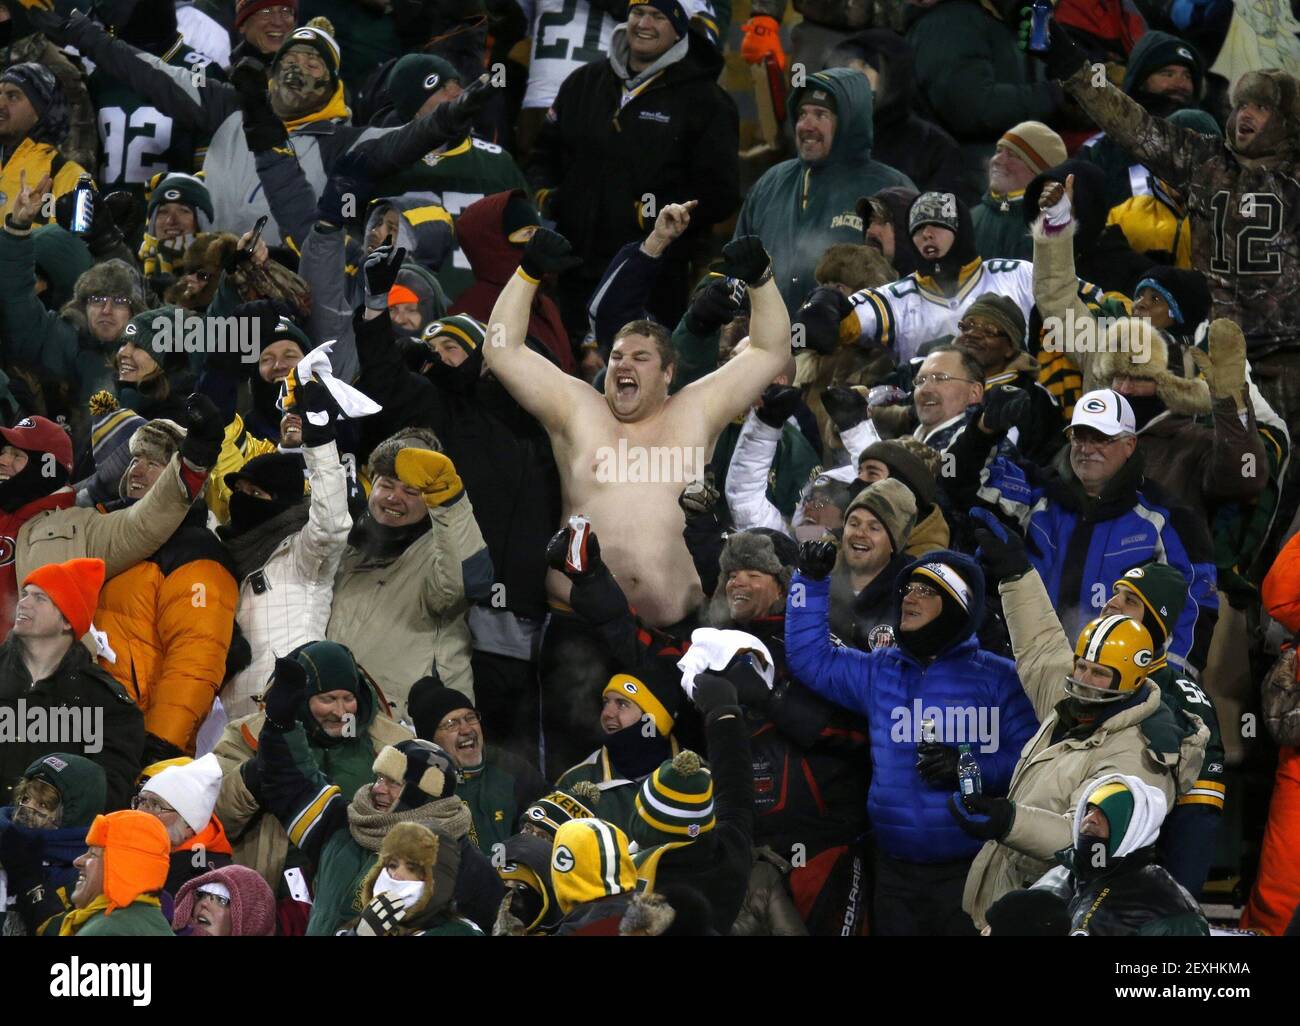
{"x":624,"y":457}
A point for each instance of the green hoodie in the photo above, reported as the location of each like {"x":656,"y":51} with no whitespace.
{"x":61,"y":258}
{"x":800,"y":208}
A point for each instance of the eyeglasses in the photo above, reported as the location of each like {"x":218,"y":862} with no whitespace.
{"x":938,"y":379}
{"x":147,"y":803}
{"x":108,"y":301}
{"x":470,"y":719}
{"x":923,"y":591}
{"x":1094,"y":439}
{"x":219,"y":899}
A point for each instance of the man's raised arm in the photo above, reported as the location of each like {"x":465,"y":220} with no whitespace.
{"x":728,"y":392}
{"x":537,"y":385}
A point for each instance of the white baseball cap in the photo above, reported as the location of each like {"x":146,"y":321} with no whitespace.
{"x":1104,"y":410}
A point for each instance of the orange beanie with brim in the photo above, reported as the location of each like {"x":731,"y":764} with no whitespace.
{"x":137,"y":854}
{"x":73,"y":587}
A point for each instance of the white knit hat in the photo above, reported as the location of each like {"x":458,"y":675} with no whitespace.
{"x":190,"y":789}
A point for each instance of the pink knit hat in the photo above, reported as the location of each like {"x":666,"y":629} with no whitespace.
{"x":252,"y":903}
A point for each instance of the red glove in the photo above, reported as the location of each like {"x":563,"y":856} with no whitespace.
{"x":762,"y":40}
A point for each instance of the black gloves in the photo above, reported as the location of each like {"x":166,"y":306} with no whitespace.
{"x":1004,"y":407}
{"x":545,"y":252}
{"x":751,"y":689}
{"x":263,"y":129}
{"x":571,"y":558}
{"x":715,"y":697}
{"x":1001,"y":553}
{"x":1063,"y":57}
{"x":989,"y":819}
{"x":817,"y":559}
{"x":746,"y":259}
{"x":937,"y":763}
{"x":381,"y":269}
{"x":699,"y":498}
{"x":204,"y":432}
{"x":452,"y":119}
{"x":22,"y":853}
{"x":713,"y":306}
{"x":288,"y":688}
{"x":157,"y":749}
{"x":347,"y":191}
{"x":818,"y":320}
{"x":316,"y":402}
{"x":104,"y":234}
{"x":846,"y":407}
{"x":778,"y":404}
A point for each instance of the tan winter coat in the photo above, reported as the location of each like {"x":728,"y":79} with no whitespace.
{"x":403,"y":617}
{"x":1050,"y":778}
{"x":259,"y":841}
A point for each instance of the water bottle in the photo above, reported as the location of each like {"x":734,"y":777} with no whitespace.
{"x":1040,"y":16}
{"x":83,"y":206}
{"x":968,"y":773}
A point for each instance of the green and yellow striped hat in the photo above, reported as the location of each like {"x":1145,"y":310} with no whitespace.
{"x":675,"y":803}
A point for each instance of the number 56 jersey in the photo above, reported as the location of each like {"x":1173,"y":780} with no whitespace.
{"x":137,"y":139}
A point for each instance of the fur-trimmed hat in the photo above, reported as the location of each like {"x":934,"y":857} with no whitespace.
{"x":383,"y":457}
{"x":157,"y":441}
{"x":1276,"y":90}
{"x":1128,"y":339}
{"x":757,"y":550}
{"x":110,"y":278}
{"x":437,"y":856}
{"x":857,"y":266}
{"x":914,"y":468}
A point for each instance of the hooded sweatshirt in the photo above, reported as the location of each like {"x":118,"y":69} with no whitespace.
{"x":800,"y":208}
{"x":493,"y":259}
{"x":893,"y":689}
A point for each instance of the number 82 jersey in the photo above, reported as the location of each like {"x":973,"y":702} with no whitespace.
{"x":137,"y":139}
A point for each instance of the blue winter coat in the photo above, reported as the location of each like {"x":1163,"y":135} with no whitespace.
{"x":59,"y":849}
{"x":909,"y":817}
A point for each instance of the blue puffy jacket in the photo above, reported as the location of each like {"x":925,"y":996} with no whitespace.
{"x":909,"y":817}
{"x":1080,"y":547}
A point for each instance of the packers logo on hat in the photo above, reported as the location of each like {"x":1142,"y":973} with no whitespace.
{"x":303,"y":33}
{"x":631,"y":688}
{"x":1184,"y":53}
{"x":432,"y":81}
{"x":172,"y":194}
{"x":1135,"y":573}
{"x":1094,"y":405}
{"x":131,"y":329}
{"x":535,"y":813}
{"x":563,"y":861}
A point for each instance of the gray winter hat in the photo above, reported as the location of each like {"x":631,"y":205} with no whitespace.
{"x":757,"y":550}
{"x":383,"y":458}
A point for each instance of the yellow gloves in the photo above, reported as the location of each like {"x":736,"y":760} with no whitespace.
{"x":431,"y":472}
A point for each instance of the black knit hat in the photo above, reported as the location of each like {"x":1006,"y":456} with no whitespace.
{"x":279,"y":473}
{"x":415,"y":78}
{"x":424,"y":768}
{"x":671,"y":10}
{"x":45,"y":94}
{"x":429,"y":703}
{"x":1184,"y":290}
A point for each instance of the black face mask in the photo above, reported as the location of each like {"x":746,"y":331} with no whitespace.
{"x":32,"y":482}
{"x":460,"y":380}
{"x":1091,"y":856}
{"x":634,"y":755}
{"x":1146,"y":408}
{"x":248,"y":511}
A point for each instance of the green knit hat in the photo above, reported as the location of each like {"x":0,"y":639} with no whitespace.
{"x":462,"y":329}
{"x":1163,"y":591}
{"x":331,"y":667}
{"x":154,"y":330}
{"x":675,"y":803}
{"x":181,"y":188}
{"x":415,"y":78}
{"x":81,"y":784}
{"x":1116,"y":803}
{"x":563,"y":804}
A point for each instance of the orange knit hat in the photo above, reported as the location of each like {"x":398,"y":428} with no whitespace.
{"x":401,"y":294}
{"x":137,"y":854}
{"x":73,"y":587}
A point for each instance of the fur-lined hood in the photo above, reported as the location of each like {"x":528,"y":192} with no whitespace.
{"x":1126,"y":340}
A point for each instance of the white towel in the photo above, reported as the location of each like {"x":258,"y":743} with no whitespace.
{"x":352,"y":401}
{"x":712,"y":649}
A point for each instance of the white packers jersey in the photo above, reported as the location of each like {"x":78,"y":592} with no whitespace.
{"x":904,"y":315}
{"x":567,"y":34}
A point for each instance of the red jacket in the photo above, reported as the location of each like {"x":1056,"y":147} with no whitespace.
{"x":10,"y":523}
{"x":494,"y":260}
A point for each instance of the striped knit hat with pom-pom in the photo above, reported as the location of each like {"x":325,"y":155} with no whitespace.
{"x":674,"y":804}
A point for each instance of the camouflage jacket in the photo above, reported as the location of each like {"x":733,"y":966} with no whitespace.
{"x":82,"y":143}
{"x":1245,"y":212}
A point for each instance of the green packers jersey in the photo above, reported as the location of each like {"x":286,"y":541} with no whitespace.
{"x":139,"y":140}
{"x":453,"y":180}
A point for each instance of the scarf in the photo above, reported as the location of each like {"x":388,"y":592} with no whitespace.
{"x":446,"y":816}
{"x":76,"y":919}
{"x":251,"y":549}
{"x":336,"y":108}
{"x":379,"y":543}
